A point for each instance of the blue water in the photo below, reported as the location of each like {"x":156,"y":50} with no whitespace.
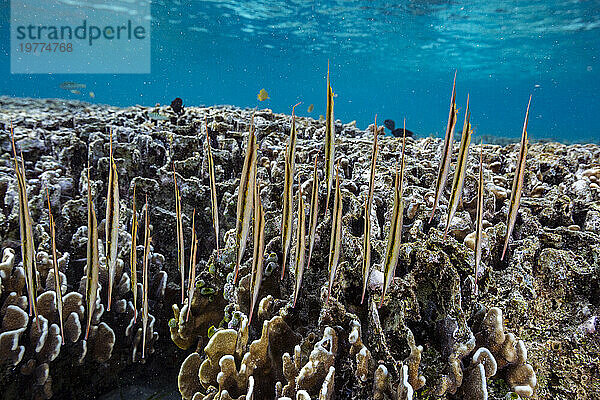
{"x":396,"y":59}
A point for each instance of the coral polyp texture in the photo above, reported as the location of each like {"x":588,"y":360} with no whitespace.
{"x":526,"y":328}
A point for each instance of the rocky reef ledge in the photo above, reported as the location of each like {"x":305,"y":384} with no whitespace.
{"x":531,"y":331}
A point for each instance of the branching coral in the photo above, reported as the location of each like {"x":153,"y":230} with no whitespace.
{"x":508,"y":352}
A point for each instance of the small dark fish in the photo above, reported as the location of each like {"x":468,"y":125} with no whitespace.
{"x":177,"y":106}
{"x":390,"y":124}
{"x":400,"y":132}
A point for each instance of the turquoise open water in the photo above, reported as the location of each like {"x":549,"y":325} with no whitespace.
{"x":394,"y":59}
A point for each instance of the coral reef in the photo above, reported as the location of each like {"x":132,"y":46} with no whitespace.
{"x":531,"y":329}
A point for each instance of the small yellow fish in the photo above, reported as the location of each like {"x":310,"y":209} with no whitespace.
{"x":262,"y":95}
{"x":92,"y":95}
{"x":311,"y":108}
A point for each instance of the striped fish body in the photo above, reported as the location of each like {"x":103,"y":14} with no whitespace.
{"x":192,"y":272}
{"x":300,"y":245}
{"x":133,"y":256}
{"x":336,"y":234}
{"x":26,"y":231}
{"x":479,"y":227}
{"x":145,"y":280}
{"x":367,"y":228}
{"x":93,"y":264}
{"x":57,"y":288}
{"x":447,"y":151}
{"x":517,"y":187}
{"x":286,"y":218}
{"x":259,"y":250}
{"x":461,"y":168}
{"x":329,"y":140}
{"x":245,"y":199}
{"x":392,"y":252}
{"x":112,"y":223}
{"x":27,"y":244}
{"x":213,"y":189}
{"x":288,"y":201}
{"x":180,"y":241}
{"x":314,"y":210}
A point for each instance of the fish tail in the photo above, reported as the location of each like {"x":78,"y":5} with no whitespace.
{"x":109,"y":293}
{"x":505,"y":247}
{"x":362,"y":300}
{"x":237,"y":269}
{"x":432,"y":213}
{"x":251,"y":312}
